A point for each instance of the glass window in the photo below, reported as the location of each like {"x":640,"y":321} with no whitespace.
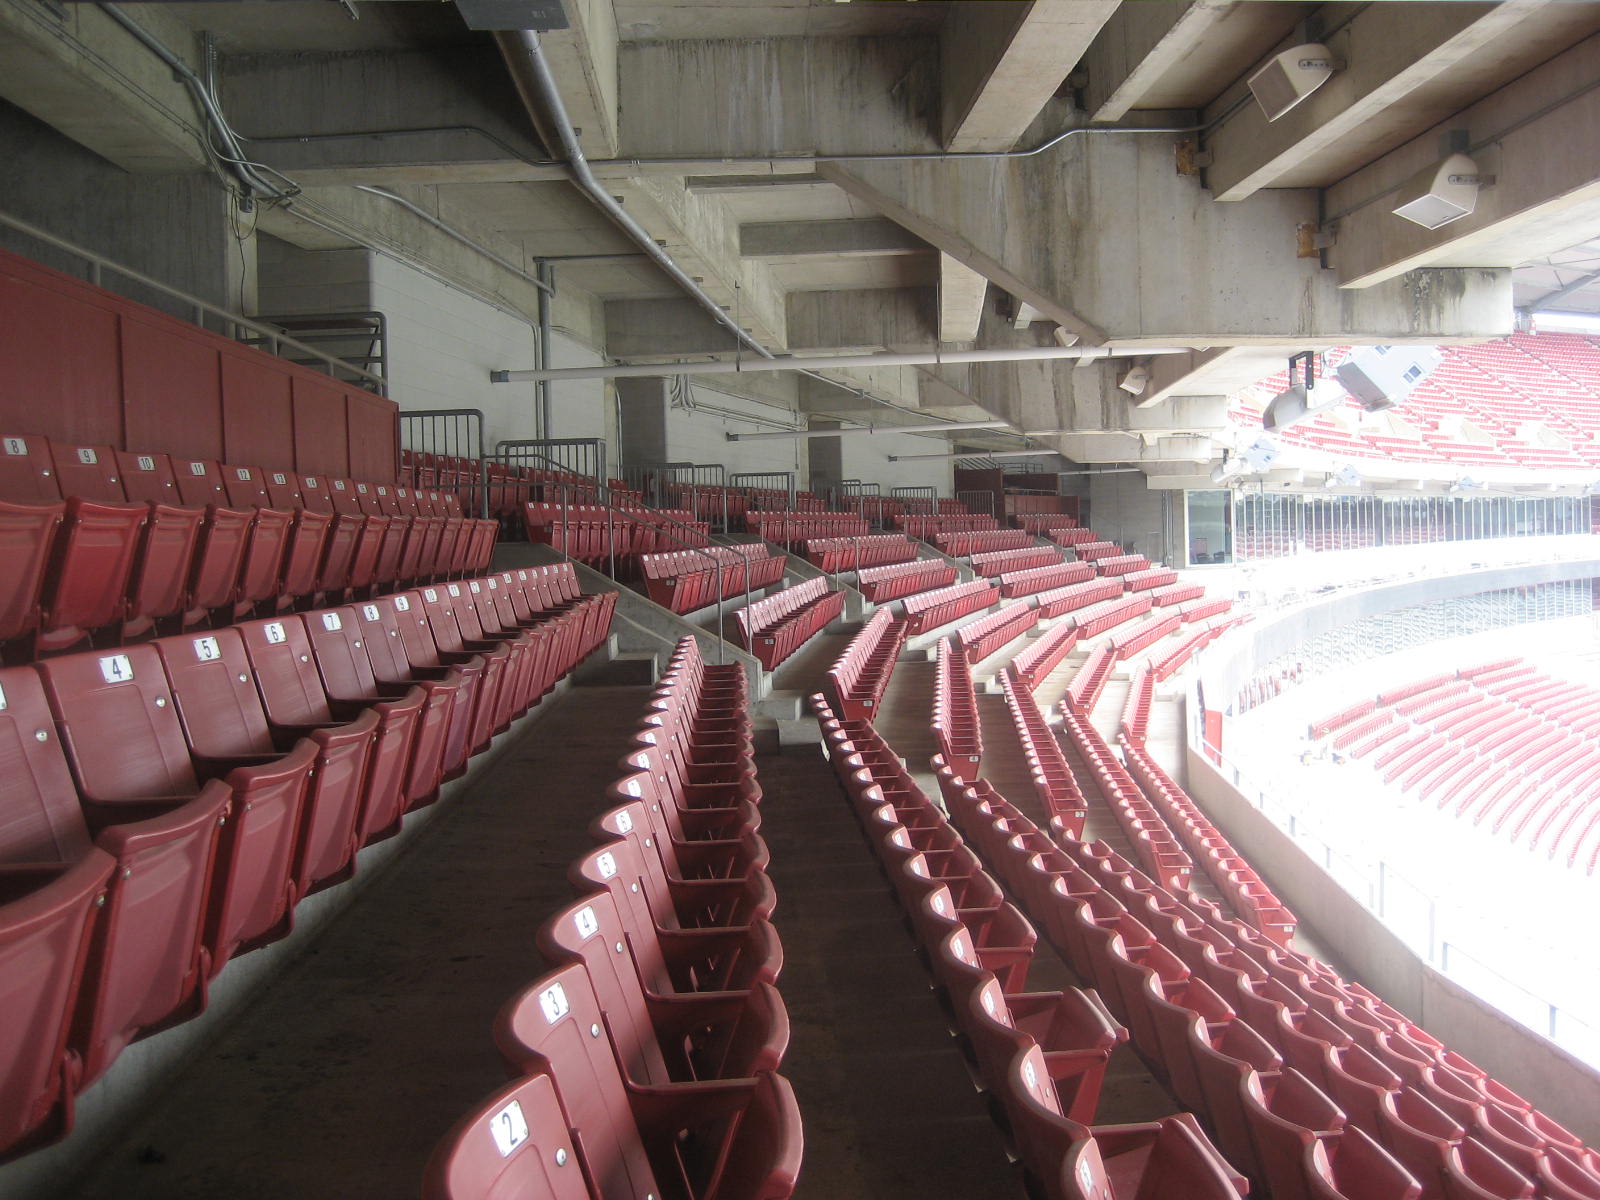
{"x":1210,"y":527}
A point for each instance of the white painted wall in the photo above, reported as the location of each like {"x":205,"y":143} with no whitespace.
{"x":866,"y":457}
{"x":1123,"y":509}
{"x":698,"y":434}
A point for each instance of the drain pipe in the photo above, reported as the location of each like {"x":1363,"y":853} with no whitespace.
{"x":827,"y":362}
{"x":547,"y":278}
{"x":531,"y":73}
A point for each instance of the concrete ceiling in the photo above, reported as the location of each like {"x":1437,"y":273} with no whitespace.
{"x":1246,"y":241}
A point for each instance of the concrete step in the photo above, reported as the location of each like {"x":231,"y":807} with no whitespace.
{"x":627,"y":668}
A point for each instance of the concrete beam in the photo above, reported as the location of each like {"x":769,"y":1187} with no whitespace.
{"x":1105,"y":238}
{"x":861,"y":320}
{"x":961,"y":294}
{"x":1408,"y":68}
{"x":1170,"y":54}
{"x":702,"y":234}
{"x":1540,"y":202}
{"x":675,"y":328}
{"x":789,"y":239}
{"x":1001,"y":62}
{"x":88,"y":78}
{"x":728,"y":99}
{"x":583,"y":59}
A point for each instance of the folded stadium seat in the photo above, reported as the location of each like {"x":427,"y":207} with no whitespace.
{"x":167,"y":536}
{"x":261,"y":572}
{"x":125,"y":742}
{"x":27,"y":535}
{"x":1225,"y":1061}
{"x":527,"y":649}
{"x":1354,"y":1167}
{"x":308,"y":531}
{"x":378,"y":499}
{"x":345,"y":736}
{"x":1287,"y":1114}
{"x":700,"y":1038}
{"x":517,"y":1144}
{"x":339,"y":645}
{"x":456,"y":537}
{"x":1169,"y":1158}
{"x":647,"y":868}
{"x":223,"y":543}
{"x":347,"y":502}
{"x":343,"y":540}
{"x":725,"y":821}
{"x":426,"y":662}
{"x":443,"y":691}
{"x":675,"y":964}
{"x":500,"y":660}
{"x":556,"y":641}
{"x":724,"y":855}
{"x":144,"y":966}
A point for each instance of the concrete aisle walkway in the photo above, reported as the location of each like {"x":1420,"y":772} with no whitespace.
{"x":347,"y":1069}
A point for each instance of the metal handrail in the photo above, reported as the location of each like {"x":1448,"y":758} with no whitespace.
{"x":99,"y":263}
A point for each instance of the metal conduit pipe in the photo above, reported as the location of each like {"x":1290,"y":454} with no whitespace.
{"x":826,"y":362}
{"x":531,"y":74}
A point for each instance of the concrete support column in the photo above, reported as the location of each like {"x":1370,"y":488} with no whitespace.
{"x":642,"y":412}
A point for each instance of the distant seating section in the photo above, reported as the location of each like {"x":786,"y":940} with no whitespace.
{"x":855,"y":683}
{"x":1077,"y":595}
{"x":774,"y":628}
{"x":644,"y":1061}
{"x":987,"y":634}
{"x":598,"y":536}
{"x":959,"y":545}
{"x":1512,"y":749}
{"x":955,"y":711}
{"x":1044,"y":579}
{"x":853,"y":553}
{"x":111,"y":544}
{"x":926,"y":526}
{"x":882,"y":584}
{"x":171,"y":802}
{"x":793,"y":529}
{"x":686,"y":580}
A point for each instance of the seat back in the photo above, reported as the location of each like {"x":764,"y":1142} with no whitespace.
{"x":199,"y":482}
{"x":280,"y":654}
{"x":120,"y":727}
{"x":27,"y":534}
{"x":416,"y":633}
{"x":214,"y":687}
{"x":283,"y":489}
{"x":341,"y":653}
{"x":40,"y":821}
{"x":88,"y":472}
{"x":27,"y":471}
{"x":245,"y":487}
{"x":516,"y":1144}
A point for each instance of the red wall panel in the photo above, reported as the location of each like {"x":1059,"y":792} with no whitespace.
{"x":59,"y":350}
{"x":257,"y":413}
{"x":373,"y":432}
{"x":81,"y":364}
{"x":172,"y":389}
{"x":321,"y":443}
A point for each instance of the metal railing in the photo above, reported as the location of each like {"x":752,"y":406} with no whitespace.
{"x":775,"y":481}
{"x":585,"y":457}
{"x":99,"y":266}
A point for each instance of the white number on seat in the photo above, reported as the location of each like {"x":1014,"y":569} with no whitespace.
{"x":275,"y":633}
{"x":197,"y":468}
{"x":146,"y":463}
{"x":553,"y":1000}
{"x":509,"y":1128}
{"x":116,"y":668}
{"x":87,"y":456}
{"x":16,"y":445}
{"x":585,"y":922}
{"x":331,"y":622}
{"x":206,"y":649}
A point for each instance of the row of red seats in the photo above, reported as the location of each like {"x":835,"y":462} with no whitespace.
{"x":924,"y":526}
{"x":1074,"y":596}
{"x":855,"y":683}
{"x":1149,"y":579}
{"x":1045,"y":653}
{"x":1134,"y":723}
{"x":882,"y":584}
{"x":937,"y":608}
{"x":598,"y":535}
{"x":169,"y":804}
{"x":1042,"y":1056}
{"x":955,"y":721}
{"x":1053,"y":783}
{"x":980,"y":541}
{"x":1094,"y":619}
{"x":686,"y":580}
{"x":1044,"y":579}
{"x":854,"y":553}
{"x":1154,"y":843}
{"x":1083,"y":690}
{"x":111,"y":542}
{"x":1361,"y":1079}
{"x":644,"y":1062}
{"x":775,"y":627}
{"x":1072,"y":536}
{"x":1122,"y":564}
{"x":986,"y":635}
{"x":1000,"y":562}
{"x":1244,"y":890}
{"x":1092,"y":551}
{"x":793,"y":528}
{"x":1175,"y":593}
{"x":1170,"y":663}
{"x":1199,"y":610}
{"x":1128,"y":642}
